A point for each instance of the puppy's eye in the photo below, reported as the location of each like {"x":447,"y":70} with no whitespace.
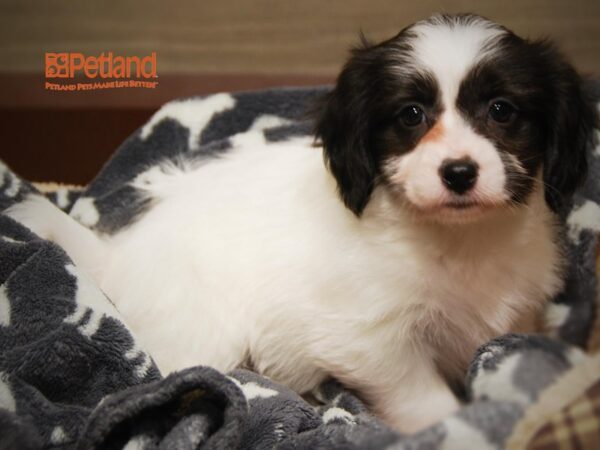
{"x":502,"y":111}
{"x":412,"y":115}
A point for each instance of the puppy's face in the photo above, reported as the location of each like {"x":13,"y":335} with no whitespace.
{"x":456,"y":116}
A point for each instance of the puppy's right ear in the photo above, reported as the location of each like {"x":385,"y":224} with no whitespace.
{"x":574,"y":122}
{"x":343,"y":125}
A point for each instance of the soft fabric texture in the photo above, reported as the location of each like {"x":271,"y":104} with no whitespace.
{"x":73,"y":376}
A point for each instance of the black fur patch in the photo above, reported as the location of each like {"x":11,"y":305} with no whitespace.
{"x":553,"y":123}
{"x":358,"y":122}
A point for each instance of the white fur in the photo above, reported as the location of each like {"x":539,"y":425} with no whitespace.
{"x":449,"y":51}
{"x":253,"y":254}
{"x":418,"y":171}
{"x":252,"y":257}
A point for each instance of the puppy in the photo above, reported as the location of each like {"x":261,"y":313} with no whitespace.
{"x":429,"y":230}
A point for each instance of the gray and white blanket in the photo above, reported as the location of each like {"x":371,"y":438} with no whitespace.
{"x":73,"y":376}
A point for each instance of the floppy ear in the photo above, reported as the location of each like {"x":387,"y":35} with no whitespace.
{"x":571,"y":136}
{"x":343,"y":125}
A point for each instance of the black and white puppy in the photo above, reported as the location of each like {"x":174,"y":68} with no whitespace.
{"x":450,"y":144}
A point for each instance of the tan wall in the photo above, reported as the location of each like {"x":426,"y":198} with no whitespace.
{"x":263,"y":36}
{"x":207,"y":46}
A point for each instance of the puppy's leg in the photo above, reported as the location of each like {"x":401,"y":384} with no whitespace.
{"x":418,"y":400}
{"x":86,"y":249}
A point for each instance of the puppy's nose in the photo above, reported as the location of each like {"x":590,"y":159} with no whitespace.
{"x":459,"y":175}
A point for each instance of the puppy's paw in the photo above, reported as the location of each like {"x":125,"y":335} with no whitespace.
{"x":412,"y":411}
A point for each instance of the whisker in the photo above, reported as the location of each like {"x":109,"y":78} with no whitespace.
{"x":538,"y":181}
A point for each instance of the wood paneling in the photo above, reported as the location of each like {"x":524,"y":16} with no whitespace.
{"x":69,"y":146}
{"x":206,"y":46}
{"x":263,"y":36}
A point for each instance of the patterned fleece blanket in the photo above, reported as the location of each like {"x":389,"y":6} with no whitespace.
{"x":73,"y":376}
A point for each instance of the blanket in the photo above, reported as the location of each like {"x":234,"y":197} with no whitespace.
{"x":72,"y":375}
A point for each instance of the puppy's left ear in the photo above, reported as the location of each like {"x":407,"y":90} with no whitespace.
{"x":572,"y":134}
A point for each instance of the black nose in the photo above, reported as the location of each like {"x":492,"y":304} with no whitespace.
{"x":459,"y":175}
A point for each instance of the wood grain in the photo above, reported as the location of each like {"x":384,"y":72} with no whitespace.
{"x":208,"y":46}
{"x":308,"y":37}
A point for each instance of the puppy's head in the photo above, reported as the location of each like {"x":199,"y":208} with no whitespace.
{"x":456,"y":116}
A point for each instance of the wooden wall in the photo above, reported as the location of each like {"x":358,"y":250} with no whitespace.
{"x":263,"y":36}
{"x":206,"y":46}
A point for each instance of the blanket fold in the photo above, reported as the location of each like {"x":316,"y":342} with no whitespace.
{"x":189,"y":409}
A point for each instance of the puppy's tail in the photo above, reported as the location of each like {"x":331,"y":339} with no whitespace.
{"x":86,"y":248}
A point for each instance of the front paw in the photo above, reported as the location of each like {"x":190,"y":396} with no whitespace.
{"x":422,"y":408}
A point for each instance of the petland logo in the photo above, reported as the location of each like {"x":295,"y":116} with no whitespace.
{"x":105,"y":71}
